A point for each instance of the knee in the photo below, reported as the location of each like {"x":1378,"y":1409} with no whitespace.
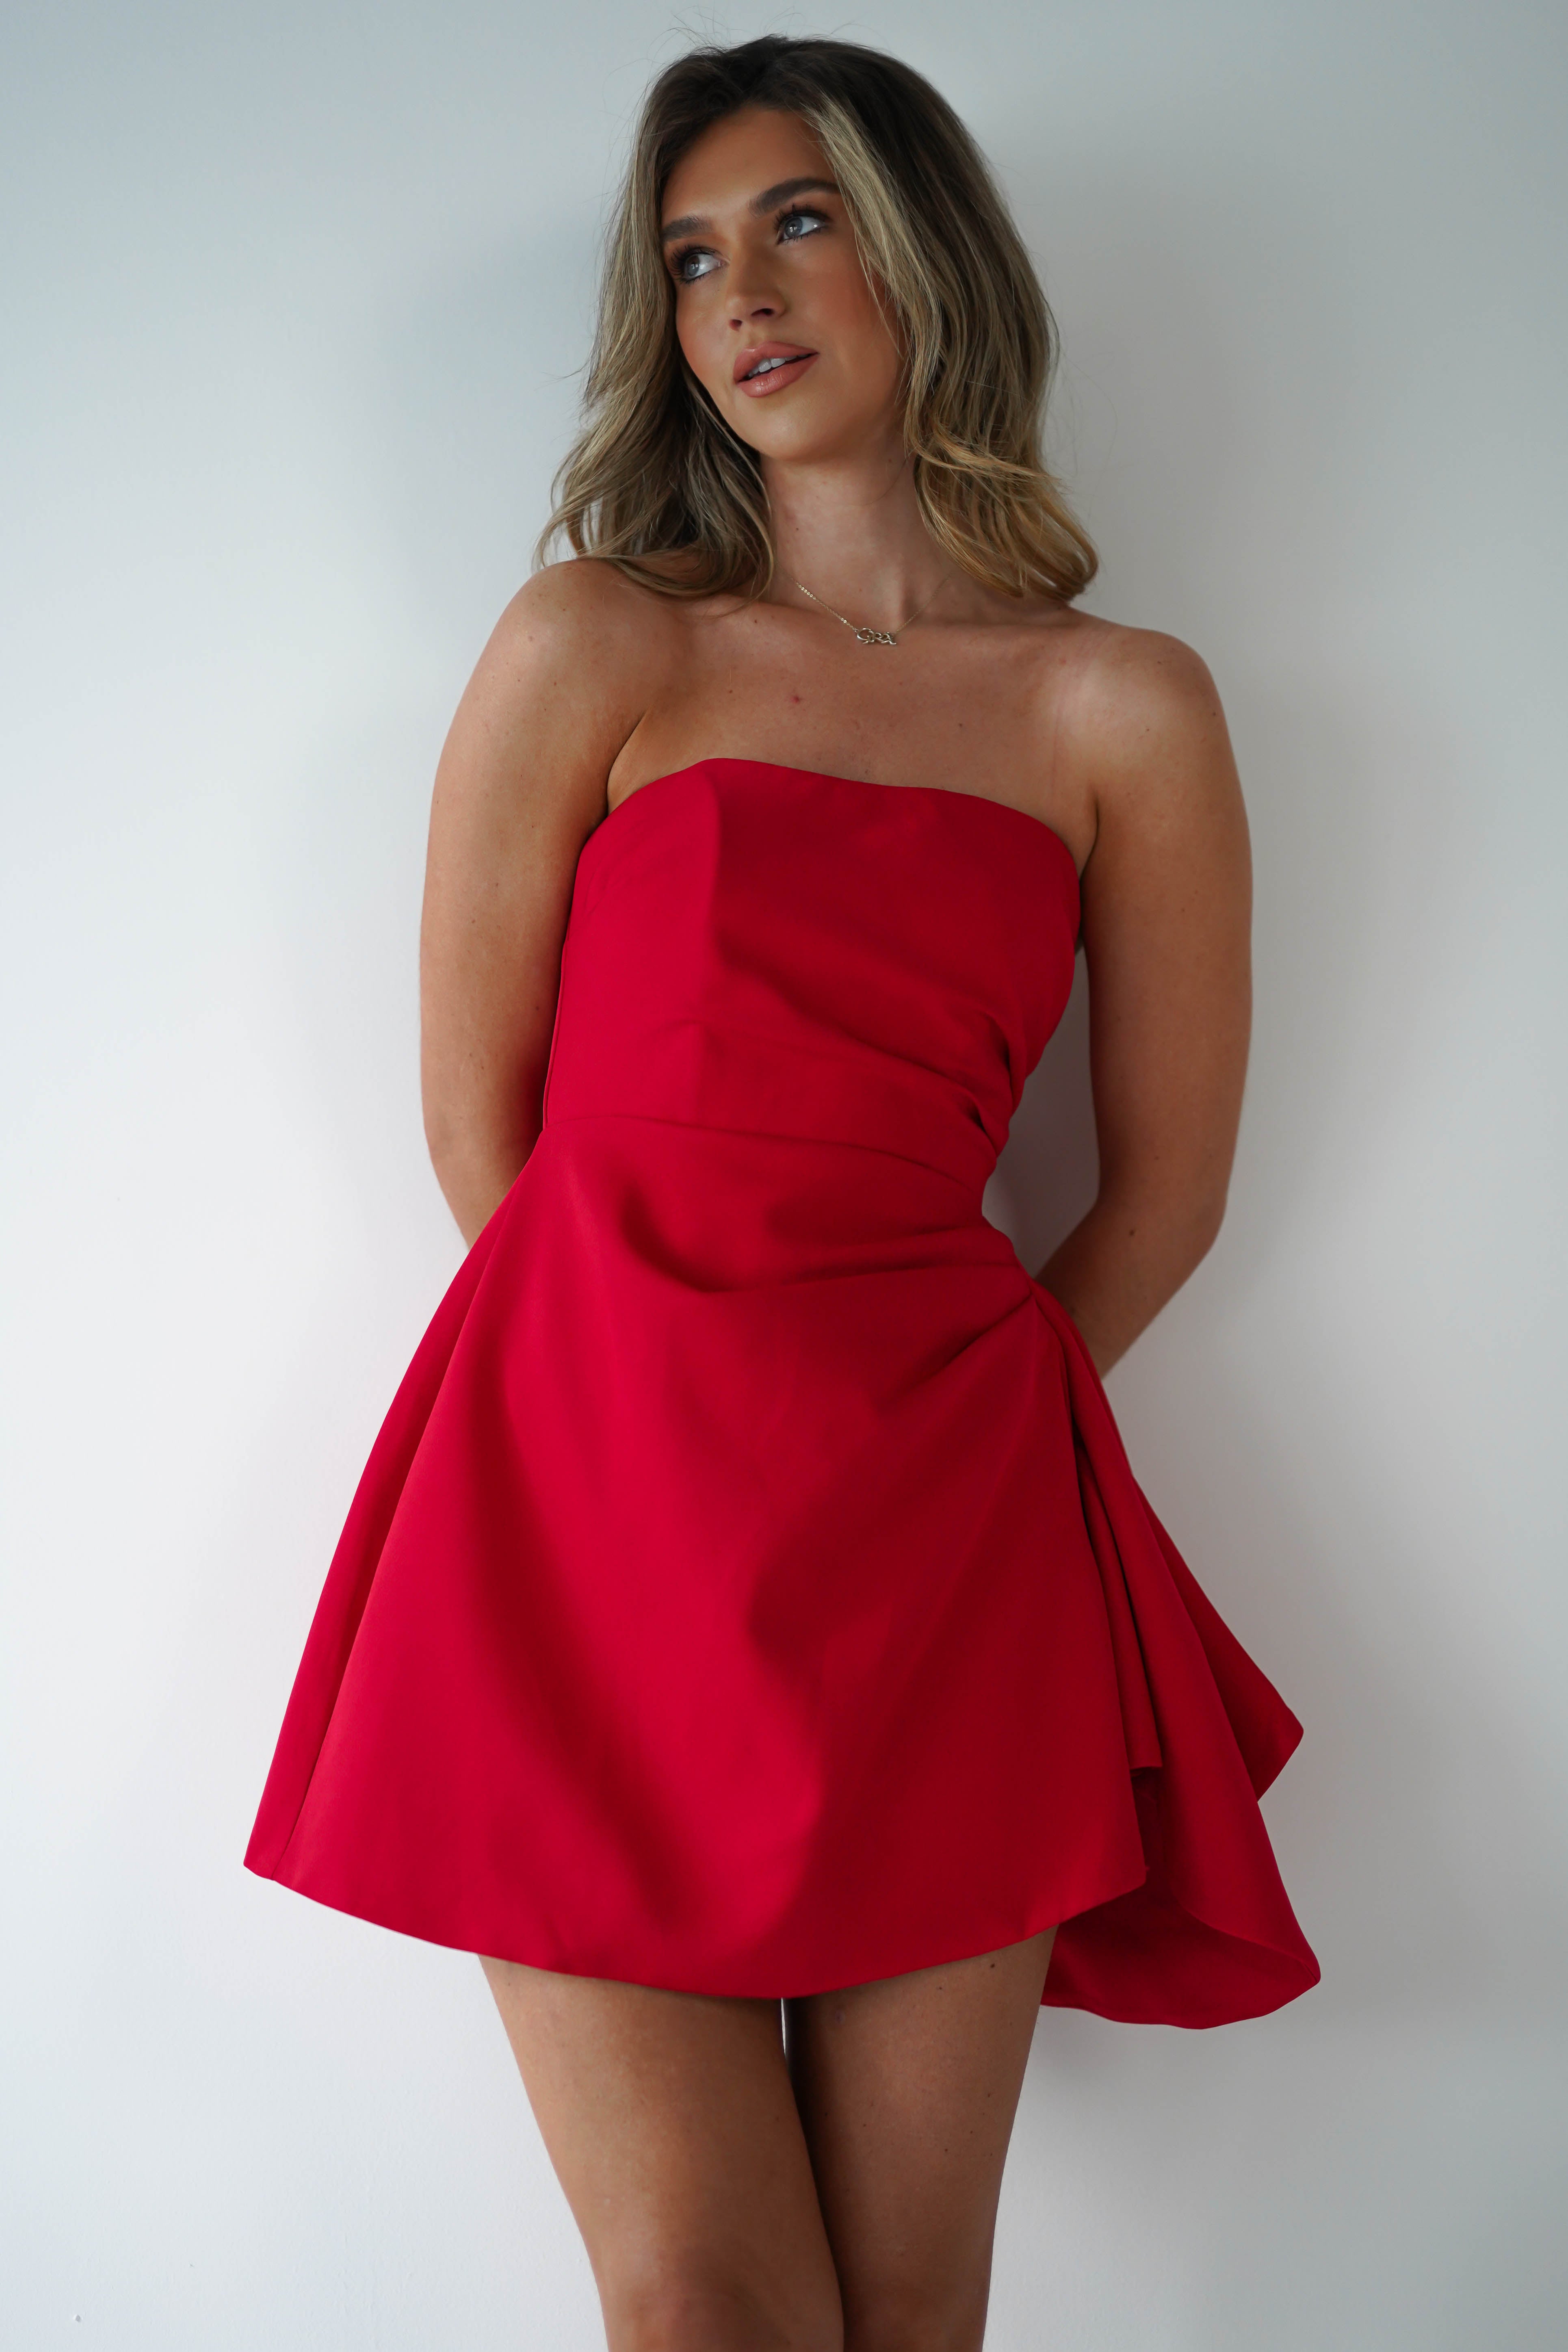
{"x":697,"y":2304}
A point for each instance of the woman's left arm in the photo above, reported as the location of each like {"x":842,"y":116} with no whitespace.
{"x":1167,"y":907}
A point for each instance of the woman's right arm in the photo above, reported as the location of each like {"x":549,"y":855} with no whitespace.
{"x":520,"y":785}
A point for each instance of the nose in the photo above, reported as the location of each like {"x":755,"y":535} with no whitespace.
{"x":752,"y":294}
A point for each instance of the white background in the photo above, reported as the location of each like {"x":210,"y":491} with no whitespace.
{"x":292,"y":300}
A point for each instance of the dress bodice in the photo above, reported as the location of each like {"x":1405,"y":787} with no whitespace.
{"x":766,"y":950}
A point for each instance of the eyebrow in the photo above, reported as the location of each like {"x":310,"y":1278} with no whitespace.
{"x":690,"y":222}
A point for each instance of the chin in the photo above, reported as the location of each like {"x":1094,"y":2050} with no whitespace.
{"x":811,"y":437}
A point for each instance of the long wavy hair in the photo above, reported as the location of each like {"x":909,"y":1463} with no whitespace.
{"x":657,"y":473}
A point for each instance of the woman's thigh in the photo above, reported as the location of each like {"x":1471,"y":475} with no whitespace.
{"x":907,"y":2089}
{"x":671,"y":2123}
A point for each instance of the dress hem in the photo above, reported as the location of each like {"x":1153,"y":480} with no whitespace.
{"x":1292,"y":1979}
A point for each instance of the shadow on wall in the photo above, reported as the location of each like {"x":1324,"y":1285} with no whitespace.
{"x":1212,"y":432}
{"x":1046,"y":1177}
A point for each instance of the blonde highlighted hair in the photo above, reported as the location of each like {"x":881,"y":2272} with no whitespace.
{"x":656,"y":471}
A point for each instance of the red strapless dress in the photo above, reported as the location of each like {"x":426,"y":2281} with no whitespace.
{"x":748,"y":1591}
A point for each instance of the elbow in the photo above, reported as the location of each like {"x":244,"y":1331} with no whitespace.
{"x":454,"y":1171}
{"x":446,"y":1139}
{"x":448,"y":1143}
{"x":1169,"y":1230}
{"x":1191,"y":1228}
{"x":1206,"y":1215}
{"x":475,"y":1159}
{"x":469,"y":1127}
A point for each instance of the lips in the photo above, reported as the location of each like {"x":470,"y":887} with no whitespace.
{"x":768,"y":367}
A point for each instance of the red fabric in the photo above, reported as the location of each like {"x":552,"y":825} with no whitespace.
{"x":748,"y":1591}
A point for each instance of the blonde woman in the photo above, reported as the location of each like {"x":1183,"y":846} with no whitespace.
{"x":748,"y":1634}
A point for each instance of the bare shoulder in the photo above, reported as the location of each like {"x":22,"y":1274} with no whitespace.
{"x":1134,"y":691}
{"x":580,"y":611}
{"x":568,"y":671}
{"x":1143,"y":726}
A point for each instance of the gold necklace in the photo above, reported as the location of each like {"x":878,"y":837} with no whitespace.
{"x":873,"y":636}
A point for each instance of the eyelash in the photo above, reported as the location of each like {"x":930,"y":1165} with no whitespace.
{"x":791,"y":213}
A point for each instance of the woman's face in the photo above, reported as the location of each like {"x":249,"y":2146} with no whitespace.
{"x":774,"y":313}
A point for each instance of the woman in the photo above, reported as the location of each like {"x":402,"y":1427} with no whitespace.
{"x":748,"y":1601}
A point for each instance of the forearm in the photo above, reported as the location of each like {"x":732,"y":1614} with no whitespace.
{"x":1123,"y":1263}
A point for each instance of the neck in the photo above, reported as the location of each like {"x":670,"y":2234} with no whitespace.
{"x":851,"y":529}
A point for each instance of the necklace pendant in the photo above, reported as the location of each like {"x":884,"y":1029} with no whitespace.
{"x":874,"y":637}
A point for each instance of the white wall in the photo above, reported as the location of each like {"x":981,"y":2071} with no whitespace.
{"x":291,"y":300}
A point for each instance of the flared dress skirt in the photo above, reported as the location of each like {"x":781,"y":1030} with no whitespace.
{"x":748,"y":1591}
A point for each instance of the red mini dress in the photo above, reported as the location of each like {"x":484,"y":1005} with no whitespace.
{"x":748,"y":1591}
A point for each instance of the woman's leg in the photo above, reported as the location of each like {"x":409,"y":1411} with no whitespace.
{"x":907,"y":2089}
{"x":673,"y":2129}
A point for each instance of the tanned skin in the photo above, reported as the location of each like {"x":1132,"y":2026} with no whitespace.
{"x":835,"y":2191}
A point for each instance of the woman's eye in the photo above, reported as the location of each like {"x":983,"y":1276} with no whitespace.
{"x":695,"y":261}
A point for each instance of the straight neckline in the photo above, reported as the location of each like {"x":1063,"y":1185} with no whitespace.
{"x":853,"y":783}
